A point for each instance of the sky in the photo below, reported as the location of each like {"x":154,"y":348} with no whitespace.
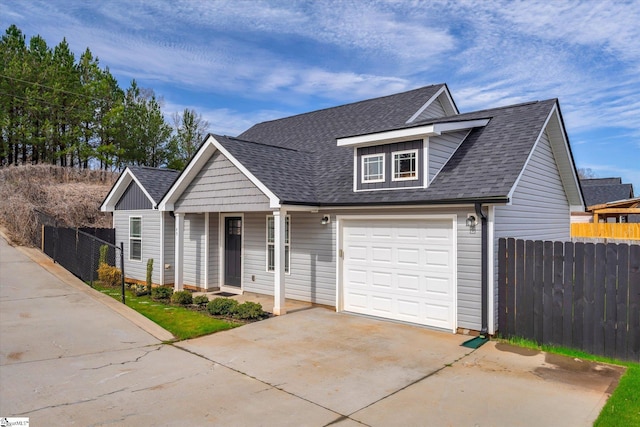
{"x":238,"y":62}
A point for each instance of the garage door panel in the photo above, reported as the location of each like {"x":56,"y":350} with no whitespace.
{"x":400,"y":269}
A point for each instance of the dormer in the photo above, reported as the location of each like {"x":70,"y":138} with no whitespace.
{"x":408,"y":157}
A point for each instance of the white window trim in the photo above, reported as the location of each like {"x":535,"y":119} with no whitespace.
{"x":363,"y":179}
{"x":393,"y":165}
{"x":287,"y":245}
{"x":131,"y":238}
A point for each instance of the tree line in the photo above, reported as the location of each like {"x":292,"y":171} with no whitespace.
{"x":59,"y":110}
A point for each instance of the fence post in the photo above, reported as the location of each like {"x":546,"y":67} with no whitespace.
{"x":122,"y":268}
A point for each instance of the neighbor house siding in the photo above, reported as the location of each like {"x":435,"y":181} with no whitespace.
{"x":137,"y":270}
{"x":169,"y":250}
{"x":194,"y":250}
{"x":434,"y":110}
{"x":133,"y":199}
{"x":220,"y":187}
{"x":312,"y":268}
{"x":441,"y":148}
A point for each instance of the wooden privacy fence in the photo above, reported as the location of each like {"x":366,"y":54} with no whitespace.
{"x":580,"y":295}
{"x":606,"y":230}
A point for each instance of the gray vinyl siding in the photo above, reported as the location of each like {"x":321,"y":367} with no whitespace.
{"x":312,"y":274}
{"x":221,"y":187}
{"x":169,"y":249}
{"x":434,"y":110}
{"x":133,"y":199}
{"x":214,"y":256}
{"x":469,"y":268}
{"x":137,"y":270}
{"x":539,"y":208}
{"x":194,"y":250}
{"x":441,"y":148}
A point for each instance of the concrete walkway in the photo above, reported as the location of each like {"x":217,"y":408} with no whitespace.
{"x":68,"y":354}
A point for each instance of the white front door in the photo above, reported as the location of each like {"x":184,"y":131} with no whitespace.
{"x":401,"y":269}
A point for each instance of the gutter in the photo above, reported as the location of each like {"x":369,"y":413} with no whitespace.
{"x":485,"y":263}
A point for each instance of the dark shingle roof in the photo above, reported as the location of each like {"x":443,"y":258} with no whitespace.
{"x":155,"y":181}
{"x":600,"y":181}
{"x":315,"y":170}
{"x":599,"y":194}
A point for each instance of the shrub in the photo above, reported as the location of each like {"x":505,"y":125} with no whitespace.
{"x":104,"y":250}
{"x":161,"y":293}
{"x":182,"y":298}
{"x":139,"y":290}
{"x":201,"y":300}
{"x":109,"y":276}
{"x":249,"y":311}
{"x":222,"y":306}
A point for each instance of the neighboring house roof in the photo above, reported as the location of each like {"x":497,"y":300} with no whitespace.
{"x":604,"y":190}
{"x":298,"y":159}
{"x":153,"y":182}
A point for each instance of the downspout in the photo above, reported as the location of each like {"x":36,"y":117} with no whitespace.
{"x":484,"y":263}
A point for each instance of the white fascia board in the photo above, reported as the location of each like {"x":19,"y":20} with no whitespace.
{"x":575,"y":182}
{"x":426,"y":105}
{"x":442,"y":94}
{"x":274,"y":201}
{"x":418,"y":132}
{"x":189,"y":173}
{"x":119,"y":188}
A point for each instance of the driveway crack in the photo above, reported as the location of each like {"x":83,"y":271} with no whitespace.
{"x":60,"y":405}
{"x":137,"y":359}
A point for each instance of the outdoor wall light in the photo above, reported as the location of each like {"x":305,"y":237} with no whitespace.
{"x":471,"y":221}
{"x":326,"y":219}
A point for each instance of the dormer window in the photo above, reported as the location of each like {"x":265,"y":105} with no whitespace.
{"x":405,"y":165}
{"x":373,"y":168}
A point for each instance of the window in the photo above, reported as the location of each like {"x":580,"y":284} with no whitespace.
{"x":404,"y":165}
{"x":373,"y":168}
{"x":135,"y":238}
{"x":271,"y":249}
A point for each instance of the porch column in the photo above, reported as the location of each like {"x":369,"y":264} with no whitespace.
{"x":279,"y":218}
{"x":179,"y":249}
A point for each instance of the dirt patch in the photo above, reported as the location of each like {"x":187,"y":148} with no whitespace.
{"x":595,"y":376}
{"x":25,"y":315}
{"x":15,"y":355}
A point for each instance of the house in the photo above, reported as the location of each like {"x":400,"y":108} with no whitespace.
{"x":611,"y":194}
{"x":390,"y":207}
{"x":146,"y":232}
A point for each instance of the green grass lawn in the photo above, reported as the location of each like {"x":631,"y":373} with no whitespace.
{"x":182,"y":322}
{"x":623,"y":407}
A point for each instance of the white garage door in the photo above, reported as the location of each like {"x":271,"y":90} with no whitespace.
{"x":400,"y":269}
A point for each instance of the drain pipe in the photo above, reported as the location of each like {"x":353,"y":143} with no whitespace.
{"x":484,"y":281}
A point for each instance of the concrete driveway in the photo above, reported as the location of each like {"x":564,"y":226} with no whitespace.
{"x":69,"y":355}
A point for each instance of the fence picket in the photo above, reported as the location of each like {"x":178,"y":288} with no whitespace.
{"x":535,"y":256}
{"x":599,"y":287}
{"x":578,"y":295}
{"x":610,"y":305}
{"x":511,"y":295}
{"x":567,"y":300}
{"x":547,"y":294}
{"x":502,"y":287}
{"x":633,"y":348}
{"x":521,"y":313}
{"x":622,"y":300}
{"x":527,"y":304}
{"x":589,"y":279}
{"x":558,"y":294}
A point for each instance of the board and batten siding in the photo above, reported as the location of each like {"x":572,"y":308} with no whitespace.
{"x":133,"y":199}
{"x":137,"y":270}
{"x":539,"y":208}
{"x":194,"y":250}
{"x":220,"y":187}
{"x":441,"y":148}
{"x":312,"y":269}
{"x":468,"y":250}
